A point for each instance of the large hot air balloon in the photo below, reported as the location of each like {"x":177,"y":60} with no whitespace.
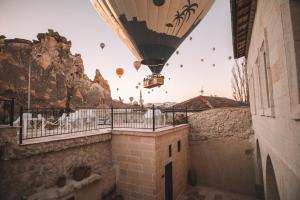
{"x":120,"y":72}
{"x":153,"y":29}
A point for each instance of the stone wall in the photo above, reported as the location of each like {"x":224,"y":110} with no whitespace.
{"x":221,"y":149}
{"x":140,"y":158}
{"x":277,"y":132}
{"x":32,"y":170}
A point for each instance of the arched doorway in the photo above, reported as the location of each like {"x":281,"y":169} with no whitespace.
{"x":259,"y":187}
{"x":271,"y":183}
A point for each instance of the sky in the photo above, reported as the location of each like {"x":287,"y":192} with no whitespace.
{"x":78,"y":21}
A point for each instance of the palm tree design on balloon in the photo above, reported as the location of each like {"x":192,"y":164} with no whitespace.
{"x":178,"y":18}
{"x":183,"y":16}
{"x":187,"y":11}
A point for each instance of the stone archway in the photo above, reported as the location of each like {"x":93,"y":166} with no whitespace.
{"x":271,"y":183}
{"x":259,"y":187}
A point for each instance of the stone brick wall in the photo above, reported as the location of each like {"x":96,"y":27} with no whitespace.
{"x":179,"y":161}
{"x":34,"y":168}
{"x":221,"y":149}
{"x":134,"y":157}
{"x":140,"y":158}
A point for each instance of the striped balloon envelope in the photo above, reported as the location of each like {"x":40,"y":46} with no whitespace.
{"x":152,"y":29}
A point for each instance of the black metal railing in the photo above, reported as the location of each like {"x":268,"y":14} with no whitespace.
{"x":7,"y":111}
{"x":44,"y":122}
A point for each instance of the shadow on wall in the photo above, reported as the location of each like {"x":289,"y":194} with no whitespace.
{"x":222,"y":149}
{"x":272,"y":189}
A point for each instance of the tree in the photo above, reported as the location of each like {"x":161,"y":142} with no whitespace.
{"x":239,"y":82}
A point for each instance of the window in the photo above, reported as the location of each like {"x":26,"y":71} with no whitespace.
{"x":178,"y":145}
{"x":265,"y":79}
{"x":170,"y":150}
{"x":252,"y":92}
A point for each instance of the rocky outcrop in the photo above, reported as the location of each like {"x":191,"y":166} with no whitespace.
{"x":57,"y":76}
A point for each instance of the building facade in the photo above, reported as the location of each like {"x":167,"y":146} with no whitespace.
{"x":267,"y":33}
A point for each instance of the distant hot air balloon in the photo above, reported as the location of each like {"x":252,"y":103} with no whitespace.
{"x":202,"y":60}
{"x":120,"y":72}
{"x":137,"y":87}
{"x":155,"y":28}
{"x":169,"y":78}
{"x":181,"y":65}
{"x":191,"y":38}
{"x":214,"y":48}
{"x":102,"y":45}
{"x":177,"y":52}
{"x":167,"y":64}
{"x":117,"y":89}
{"x":139,"y":83}
{"x":148,"y":92}
{"x":213,"y":65}
{"x":229,"y":58}
{"x":152,"y":90}
{"x":166,"y":92}
{"x":137,"y":65}
{"x":131,"y":99}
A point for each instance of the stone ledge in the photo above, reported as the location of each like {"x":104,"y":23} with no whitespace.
{"x":149,"y":132}
{"x":71,"y":185}
{"x":12,"y":150}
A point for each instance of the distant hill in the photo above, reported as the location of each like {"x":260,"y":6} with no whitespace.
{"x":208,"y":102}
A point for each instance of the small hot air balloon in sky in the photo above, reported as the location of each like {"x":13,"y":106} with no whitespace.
{"x":177,"y":52}
{"x":214,"y":48}
{"x":229,"y":58}
{"x":131,"y":99}
{"x":117,"y":89}
{"x":166,"y":92}
{"x":152,"y":90}
{"x":137,"y":65}
{"x":148,"y":92}
{"x":102,"y":45}
{"x":137,"y":87}
{"x":202,"y":60}
{"x":167,"y":64}
{"x":191,"y":38}
{"x":139,"y":83}
{"x":169,"y":78}
{"x":181,"y":65}
{"x":213,"y":65}
{"x":120,"y":72}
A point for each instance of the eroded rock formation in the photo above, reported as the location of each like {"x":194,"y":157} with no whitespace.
{"x":57,"y":76}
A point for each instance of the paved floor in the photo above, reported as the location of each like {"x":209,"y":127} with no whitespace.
{"x":207,"y":193}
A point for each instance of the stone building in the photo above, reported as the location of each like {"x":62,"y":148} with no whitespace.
{"x":267,"y":33}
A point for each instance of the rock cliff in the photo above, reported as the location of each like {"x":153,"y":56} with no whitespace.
{"x":57,"y":76}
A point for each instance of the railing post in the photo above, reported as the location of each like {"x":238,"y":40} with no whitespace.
{"x":173,"y":116}
{"x":21,"y":126}
{"x":153,"y":117}
{"x":112,"y":117}
{"x":12,"y":110}
{"x":186,"y":116}
{"x":126,"y":115}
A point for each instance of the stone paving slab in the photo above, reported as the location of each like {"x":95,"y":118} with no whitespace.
{"x":207,"y":193}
